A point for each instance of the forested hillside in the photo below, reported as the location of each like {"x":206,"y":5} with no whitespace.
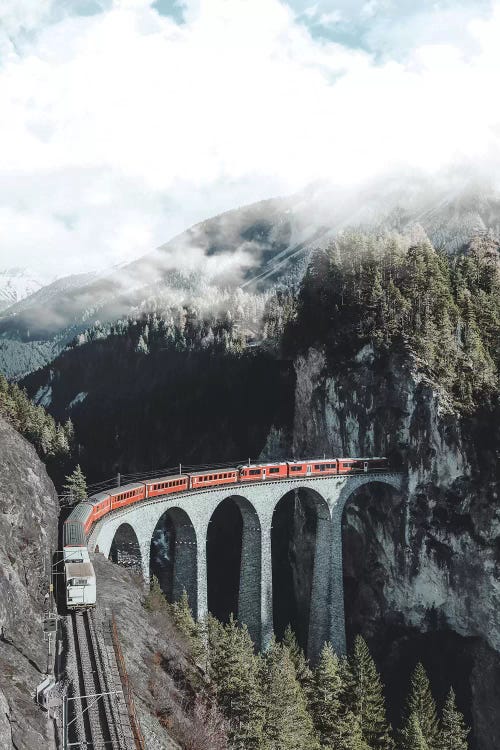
{"x":54,"y":442}
{"x":394,"y":295}
{"x":277,"y":701}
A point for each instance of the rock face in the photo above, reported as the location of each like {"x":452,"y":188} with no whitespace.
{"x":421,"y":572}
{"x":28,"y":529}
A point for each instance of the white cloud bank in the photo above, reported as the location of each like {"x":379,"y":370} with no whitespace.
{"x":121,"y":128}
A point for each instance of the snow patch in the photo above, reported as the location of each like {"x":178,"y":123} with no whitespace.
{"x":78,"y":399}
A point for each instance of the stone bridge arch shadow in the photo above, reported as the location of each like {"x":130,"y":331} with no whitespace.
{"x":173,"y":556}
{"x":301,"y":553}
{"x":125,"y":549}
{"x":233,"y":549}
{"x":370,"y":529}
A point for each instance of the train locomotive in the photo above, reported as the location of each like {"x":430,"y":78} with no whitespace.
{"x":80,"y":582}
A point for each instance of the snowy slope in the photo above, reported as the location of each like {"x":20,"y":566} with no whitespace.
{"x":15,"y":285}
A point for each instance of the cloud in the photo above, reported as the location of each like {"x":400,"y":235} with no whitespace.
{"x":121,"y":127}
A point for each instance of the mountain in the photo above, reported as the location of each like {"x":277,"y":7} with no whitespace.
{"x":255,"y":248}
{"x":15,"y":285}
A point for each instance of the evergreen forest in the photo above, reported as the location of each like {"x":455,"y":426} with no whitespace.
{"x":277,"y":701}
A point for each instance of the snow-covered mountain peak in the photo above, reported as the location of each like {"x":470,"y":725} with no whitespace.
{"x":17,"y":284}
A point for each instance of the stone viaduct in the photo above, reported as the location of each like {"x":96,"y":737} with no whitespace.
{"x":191,"y":512}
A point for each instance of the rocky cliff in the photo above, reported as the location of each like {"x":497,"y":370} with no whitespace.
{"x":421,"y":571}
{"x":28,"y":529}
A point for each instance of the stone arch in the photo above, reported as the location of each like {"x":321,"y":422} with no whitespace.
{"x":233,"y":550}
{"x":300,"y":553}
{"x":173,"y":555}
{"x":343,"y":550}
{"x":125,"y":549}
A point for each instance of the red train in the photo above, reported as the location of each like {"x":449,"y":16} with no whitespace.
{"x":79,"y":523}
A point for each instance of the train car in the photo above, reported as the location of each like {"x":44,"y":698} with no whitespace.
{"x":78,"y":524}
{"x":167,"y":485}
{"x":263,"y":472}
{"x":299,"y":469}
{"x":199,"y":480}
{"x":127,"y":494}
{"x":79,"y":576}
{"x":379,"y":463}
{"x":322,"y":466}
{"x":101,"y":503}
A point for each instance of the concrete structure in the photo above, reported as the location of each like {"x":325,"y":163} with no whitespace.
{"x":190,"y":513}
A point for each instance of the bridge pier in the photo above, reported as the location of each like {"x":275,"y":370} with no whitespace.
{"x":201,"y":609}
{"x":250,"y":573}
{"x":266,"y":591}
{"x":144,"y":546}
{"x":336,"y":617}
{"x":319,"y":612}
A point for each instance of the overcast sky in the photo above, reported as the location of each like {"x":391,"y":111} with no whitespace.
{"x":123,"y":122}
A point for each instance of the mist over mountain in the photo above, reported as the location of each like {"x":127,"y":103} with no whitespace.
{"x":255,"y":248}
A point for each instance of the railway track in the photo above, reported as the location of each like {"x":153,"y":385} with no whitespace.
{"x":97,"y":716}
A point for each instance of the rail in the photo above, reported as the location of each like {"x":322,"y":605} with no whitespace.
{"x":94,"y":715}
{"x":127,"y":689}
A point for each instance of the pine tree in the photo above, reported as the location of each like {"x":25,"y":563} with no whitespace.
{"x":155,"y":599}
{"x":186,"y":624}
{"x":453,"y":734}
{"x":421,"y":704}
{"x":369,"y":702}
{"x":299,"y":661}
{"x":337,"y":727}
{"x":234,"y":671}
{"x":76,"y":485}
{"x":287,"y":723}
{"x":411,"y":737}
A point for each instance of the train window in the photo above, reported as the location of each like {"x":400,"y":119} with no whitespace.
{"x":295,"y":468}
{"x":254,"y":472}
{"x":274,"y":470}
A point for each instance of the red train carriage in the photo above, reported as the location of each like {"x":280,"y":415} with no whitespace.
{"x":322,"y":466}
{"x":198,"y":480}
{"x":167,"y":485}
{"x":347,"y":465}
{"x":102,"y":505}
{"x":262,"y":472}
{"x":299,"y":469}
{"x":128,"y":494}
{"x":357,"y":465}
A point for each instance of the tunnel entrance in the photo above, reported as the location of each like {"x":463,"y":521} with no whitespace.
{"x":234,"y":563}
{"x":172,"y":557}
{"x":125,"y":548}
{"x":296,"y":548}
